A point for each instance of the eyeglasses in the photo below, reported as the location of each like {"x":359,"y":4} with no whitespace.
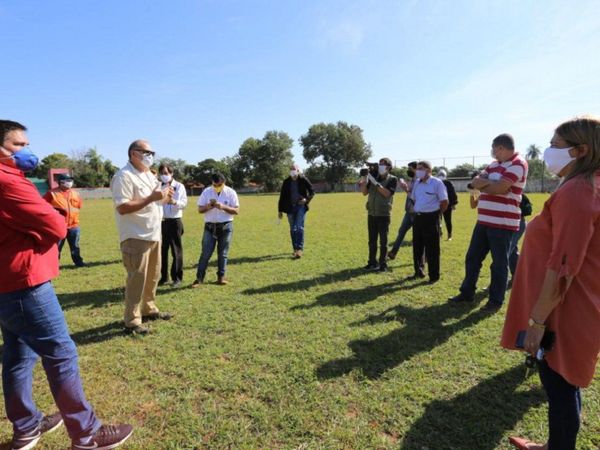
{"x":145,"y":152}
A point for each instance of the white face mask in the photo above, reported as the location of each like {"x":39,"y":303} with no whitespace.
{"x":421,"y":173}
{"x":147,"y":161}
{"x":67,"y":184}
{"x":293,"y":173}
{"x":556,"y":159}
{"x":382,"y":169}
{"x":166,"y":178}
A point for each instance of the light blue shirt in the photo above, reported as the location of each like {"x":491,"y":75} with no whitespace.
{"x":428,"y":195}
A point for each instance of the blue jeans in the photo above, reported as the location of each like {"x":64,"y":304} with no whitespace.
{"x":218,"y":235}
{"x":73,"y":239}
{"x":407,"y":223}
{"x":513,"y":252}
{"x":564,"y":409}
{"x":33,"y":325}
{"x":296,"y":220}
{"x":484,"y":240}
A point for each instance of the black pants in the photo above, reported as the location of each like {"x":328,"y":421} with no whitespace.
{"x":448,"y":220}
{"x":378,"y":228}
{"x":426,"y":239}
{"x":172,"y":230}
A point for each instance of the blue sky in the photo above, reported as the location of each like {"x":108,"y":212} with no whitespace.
{"x":424,"y":79}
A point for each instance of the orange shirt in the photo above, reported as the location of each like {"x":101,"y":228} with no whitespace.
{"x":565,"y":238}
{"x":68,"y":203}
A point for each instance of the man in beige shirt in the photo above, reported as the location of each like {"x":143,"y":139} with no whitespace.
{"x":138,"y":202}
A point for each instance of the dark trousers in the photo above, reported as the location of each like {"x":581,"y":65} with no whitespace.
{"x":448,"y":220}
{"x":483,"y":241}
{"x":172,"y":230}
{"x":426,"y":239}
{"x":564,"y":409}
{"x":379,"y":227}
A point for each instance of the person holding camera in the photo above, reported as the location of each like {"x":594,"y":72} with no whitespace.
{"x":557,"y":288}
{"x":498,"y":218}
{"x":296,"y":193}
{"x":379,"y":185}
{"x":218,"y":203}
{"x":409,"y":213}
{"x":430,"y":201}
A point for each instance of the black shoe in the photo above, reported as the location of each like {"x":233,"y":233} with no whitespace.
{"x":106,"y":438}
{"x":157,"y":316}
{"x":460,"y":298}
{"x":418,"y":275}
{"x":491,"y":307}
{"x":383,"y":269}
{"x":391,"y":255}
{"x":371,"y":266}
{"x":162,"y":282}
{"x":176,"y":283}
{"x":434,"y":280}
{"x":137,"y":330}
{"x":48,"y":424}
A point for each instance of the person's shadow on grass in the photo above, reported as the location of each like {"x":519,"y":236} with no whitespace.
{"x":91,"y":264}
{"x":91,"y":299}
{"x":423,"y":329}
{"x":243,"y":260}
{"x":99,"y":334}
{"x":349,"y":297}
{"x":476,"y":419}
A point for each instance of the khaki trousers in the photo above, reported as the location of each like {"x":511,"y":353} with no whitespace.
{"x":142,"y":262}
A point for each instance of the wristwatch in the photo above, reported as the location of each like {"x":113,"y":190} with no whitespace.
{"x":533,"y":323}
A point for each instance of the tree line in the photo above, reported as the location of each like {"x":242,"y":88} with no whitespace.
{"x":334,"y":152}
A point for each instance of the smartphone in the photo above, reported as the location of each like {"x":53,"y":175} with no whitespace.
{"x":547,"y":340}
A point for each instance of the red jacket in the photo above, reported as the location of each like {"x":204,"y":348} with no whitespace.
{"x":29,"y":231}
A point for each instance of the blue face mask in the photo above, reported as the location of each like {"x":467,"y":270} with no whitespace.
{"x":25,"y":160}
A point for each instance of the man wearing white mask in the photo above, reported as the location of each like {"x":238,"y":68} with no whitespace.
{"x":498,"y":217}
{"x":296,"y":193}
{"x":138,"y":199}
{"x":380,"y":188}
{"x":67,"y":202}
{"x":172,"y":227}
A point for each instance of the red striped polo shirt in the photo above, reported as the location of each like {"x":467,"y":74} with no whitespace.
{"x":503,"y":210}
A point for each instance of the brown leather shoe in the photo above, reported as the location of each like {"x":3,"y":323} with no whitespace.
{"x":222,"y":281}
{"x":298,"y":254}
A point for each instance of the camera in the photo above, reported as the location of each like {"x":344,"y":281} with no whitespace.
{"x":472,"y":174}
{"x":372,"y":168}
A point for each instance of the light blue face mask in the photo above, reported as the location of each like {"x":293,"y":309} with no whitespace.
{"x":25,"y":160}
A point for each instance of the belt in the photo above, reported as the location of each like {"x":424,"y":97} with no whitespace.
{"x":427,"y":213}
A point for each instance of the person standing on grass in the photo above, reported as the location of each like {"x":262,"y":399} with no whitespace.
{"x":557,"y":287}
{"x":67,"y":202}
{"x":379,"y":186}
{"x":172,"y":227}
{"x":430,"y":201}
{"x":138,"y":200}
{"x":219,"y":204}
{"x":452,"y":202}
{"x":296,"y":193}
{"x":498,"y":215}
{"x":409,"y":213}
{"x":32,"y":322}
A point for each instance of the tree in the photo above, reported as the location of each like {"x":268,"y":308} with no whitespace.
{"x":239,"y":171}
{"x":537,"y":167}
{"x":267,"y":160}
{"x":52,"y":161}
{"x":339,"y":147}
{"x":316,"y":172}
{"x":204,"y":169}
{"x":179,"y":168}
{"x":461,"y":171}
{"x":91,"y":170}
{"x":533,"y":152}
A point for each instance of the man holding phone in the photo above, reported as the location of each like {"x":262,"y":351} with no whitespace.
{"x":218,"y":203}
{"x":138,"y":199}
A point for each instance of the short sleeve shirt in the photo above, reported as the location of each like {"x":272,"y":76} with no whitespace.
{"x":227,"y":197}
{"x":130,"y":184}
{"x":427,"y":195}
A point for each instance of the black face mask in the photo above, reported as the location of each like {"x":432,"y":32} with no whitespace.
{"x":410,"y":173}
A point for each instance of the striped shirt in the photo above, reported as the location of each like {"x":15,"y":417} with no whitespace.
{"x":503,"y":210}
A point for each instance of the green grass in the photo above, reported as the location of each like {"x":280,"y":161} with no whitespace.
{"x":306,"y":354}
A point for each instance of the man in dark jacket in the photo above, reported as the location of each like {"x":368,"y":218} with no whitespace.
{"x":296,"y":193}
{"x":452,"y":202}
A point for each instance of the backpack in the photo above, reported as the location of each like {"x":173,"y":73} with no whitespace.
{"x":526,"y":206}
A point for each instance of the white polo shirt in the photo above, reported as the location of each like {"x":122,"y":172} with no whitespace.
{"x":227,"y":197}
{"x":131,"y":184}
{"x":175,"y":210}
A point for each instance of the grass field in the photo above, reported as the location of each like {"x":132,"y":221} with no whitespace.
{"x":300,"y":354}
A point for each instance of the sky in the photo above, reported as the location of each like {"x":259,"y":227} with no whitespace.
{"x":433,"y":80}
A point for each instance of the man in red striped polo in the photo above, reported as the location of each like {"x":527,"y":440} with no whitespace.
{"x":498,"y":216}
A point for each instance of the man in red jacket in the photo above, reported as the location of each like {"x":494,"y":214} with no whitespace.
{"x":31,"y":319}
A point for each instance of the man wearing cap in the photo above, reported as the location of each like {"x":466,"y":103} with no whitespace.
{"x":138,"y":199}
{"x":218,"y":203}
{"x":67,"y":202}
